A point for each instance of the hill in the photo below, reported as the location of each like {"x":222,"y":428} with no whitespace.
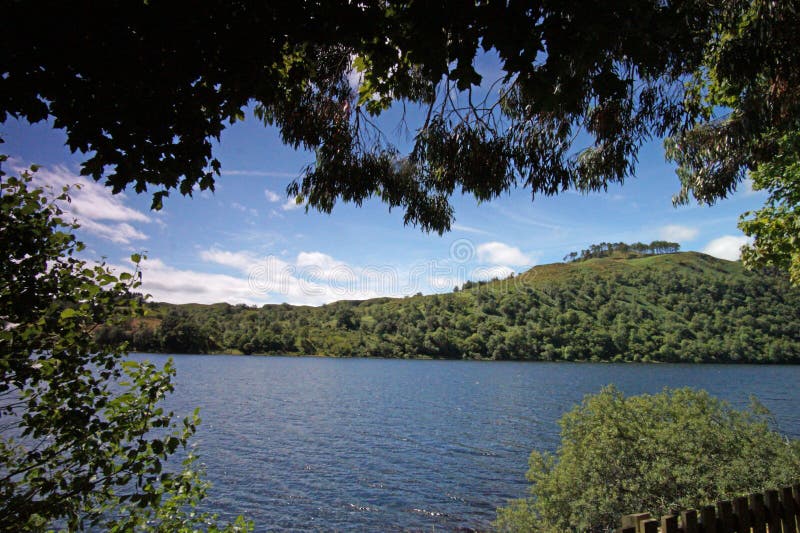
{"x":675,"y":307}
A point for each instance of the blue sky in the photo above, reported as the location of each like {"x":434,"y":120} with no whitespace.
{"x":247,"y":243}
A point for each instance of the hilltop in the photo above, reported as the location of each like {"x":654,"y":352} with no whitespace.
{"x":675,"y":307}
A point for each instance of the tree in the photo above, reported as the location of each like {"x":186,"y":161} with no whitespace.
{"x":751,"y":70}
{"x":142,"y":89}
{"x":677,"y":449}
{"x":84,"y":442}
{"x":606,"y":249}
{"x":776,"y":227}
{"x":180,"y":335}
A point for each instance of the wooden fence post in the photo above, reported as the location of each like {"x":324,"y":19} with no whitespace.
{"x":742,"y":512}
{"x":689,"y":521}
{"x":669,"y":524}
{"x":759,"y":513}
{"x":708,"y":517}
{"x":773,"y":511}
{"x":638,"y":518}
{"x":627,"y":521}
{"x":789,"y":511}
{"x":796,"y":498}
{"x":650,"y":526}
{"x":725,"y":515}
{"x":628,"y":524}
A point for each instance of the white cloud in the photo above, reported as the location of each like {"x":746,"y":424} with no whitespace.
{"x":122,"y":233}
{"x":727,"y":247}
{"x":318,"y":259}
{"x":168,"y":284}
{"x":272,"y":196}
{"x":676,"y":233}
{"x":469,"y":229}
{"x":319,"y":266}
{"x":354,"y":79}
{"x":96,"y":209}
{"x":499,"y":253}
{"x":244,"y":208}
{"x":313,"y":278}
{"x":488,"y":273}
{"x":291,"y":204}
{"x":747,"y":188}
{"x":309,"y":278}
{"x":516,"y":217}
{"x":242,"y":261}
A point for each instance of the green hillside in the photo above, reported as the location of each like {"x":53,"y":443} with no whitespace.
{"x":675,"y":307}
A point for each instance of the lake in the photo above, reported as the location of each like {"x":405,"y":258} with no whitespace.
{"x":309,"y":444}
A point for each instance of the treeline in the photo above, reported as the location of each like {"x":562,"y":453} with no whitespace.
{"x":684,"y":307}
{"x":609,"y":249}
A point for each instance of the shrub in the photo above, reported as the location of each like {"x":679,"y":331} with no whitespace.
{"x":677,"y":449}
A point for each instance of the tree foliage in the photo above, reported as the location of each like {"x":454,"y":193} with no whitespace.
{"x":671,"y":308}
{"x":84,"y":442}
{"x":145,"y":87}
{"x":751,"y":71}
{"x":776,"y":227}
{"x":678,"y":449}
{"x":609,"y":249}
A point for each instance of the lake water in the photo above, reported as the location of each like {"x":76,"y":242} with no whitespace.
{"x":309,"y":444}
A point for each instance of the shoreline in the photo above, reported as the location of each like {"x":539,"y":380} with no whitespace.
{"x":554,"y":361}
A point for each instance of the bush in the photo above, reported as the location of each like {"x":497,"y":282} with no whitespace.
{"x":652,"y":453}
{"x":84,"y":443}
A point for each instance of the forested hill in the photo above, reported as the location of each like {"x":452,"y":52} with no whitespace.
{"x":676,"y":307}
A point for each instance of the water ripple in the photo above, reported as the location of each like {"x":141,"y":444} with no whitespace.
{"x":312,"y":444}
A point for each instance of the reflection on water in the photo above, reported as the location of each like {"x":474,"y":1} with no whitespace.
{"x":371,"y":444}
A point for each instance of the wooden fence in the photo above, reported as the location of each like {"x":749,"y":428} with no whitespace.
{"x":774,"y":511}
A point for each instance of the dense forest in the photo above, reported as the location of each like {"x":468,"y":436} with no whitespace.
{"x":677,"y":307}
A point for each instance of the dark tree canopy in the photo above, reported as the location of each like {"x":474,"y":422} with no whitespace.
{"x":145,"y":87}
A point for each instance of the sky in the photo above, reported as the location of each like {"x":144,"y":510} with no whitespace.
{"x":248,"y":243}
